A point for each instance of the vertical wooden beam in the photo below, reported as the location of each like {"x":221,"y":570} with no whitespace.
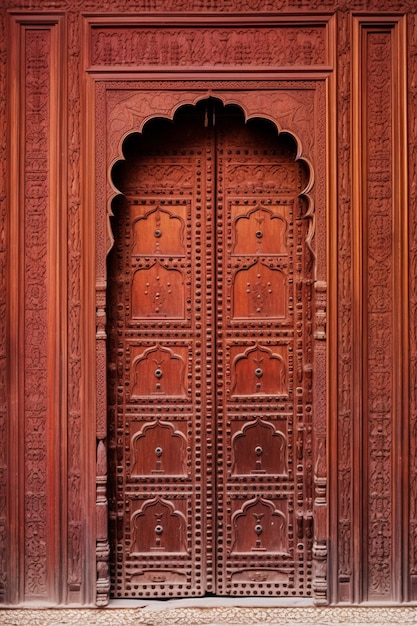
{"x":345,"y":581}
{"x":332,"y":374}
{"x":80,"y":457}
{"x":411,"y":591}
{"x":4,"y":401}
{"x":380,"y":331}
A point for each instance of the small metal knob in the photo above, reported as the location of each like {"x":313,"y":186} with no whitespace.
{"x":258,"y":450}
{"x":157,"y":233}
{"x":259,"y":234}
{"x":159,"y":529}
{"x":158,"y":451}
{"x":258,"y":372}
{"x":158,"y":373}
{"x":258,"y":529}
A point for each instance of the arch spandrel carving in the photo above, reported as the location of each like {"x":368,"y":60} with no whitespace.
{"x":291,"y":107}
{"x":291,"y":111}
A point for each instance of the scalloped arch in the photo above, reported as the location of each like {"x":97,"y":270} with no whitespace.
{"x":132,"y":119}
{"x":290,"y":116}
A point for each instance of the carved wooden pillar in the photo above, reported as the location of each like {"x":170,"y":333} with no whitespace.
{"x":320,"y":509}
{"x":102,"y":543}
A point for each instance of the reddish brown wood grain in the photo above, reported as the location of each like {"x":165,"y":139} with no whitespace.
{"x":229,"y":394}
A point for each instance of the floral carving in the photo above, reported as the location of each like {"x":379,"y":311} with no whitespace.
{"x":199,"y":47}
{"x":37,"y":66}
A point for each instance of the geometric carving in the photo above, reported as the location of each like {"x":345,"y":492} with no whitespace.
{"x":157,"y":292}
{"x":258,"y":370}
{"x":259,"y":232}
{"x":158,"y":232}
{"x":158,"y":370}
{"x":169,"y":446}
{"x":259,"y":292}
{"x":158,"y":527}
{"x":259,"y":449}
{"x":259,"y":526}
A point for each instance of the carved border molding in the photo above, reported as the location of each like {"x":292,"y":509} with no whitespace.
{"x":212,"y":43}
{"x":37,"y":305}
{"x":380,"y":317}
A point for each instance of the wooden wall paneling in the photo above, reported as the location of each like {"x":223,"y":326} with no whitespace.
{"x":36,"y":306}
{"x":412,"y":125}
{"x":380,"y":222}
{"x":367,"y":542}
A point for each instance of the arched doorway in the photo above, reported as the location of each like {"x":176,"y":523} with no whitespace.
{"x":210,"y":306}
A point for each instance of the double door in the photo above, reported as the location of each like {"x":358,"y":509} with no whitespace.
{"x":210,"y":376}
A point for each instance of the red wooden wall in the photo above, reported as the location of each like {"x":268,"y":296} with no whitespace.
{"x":341,"y":77}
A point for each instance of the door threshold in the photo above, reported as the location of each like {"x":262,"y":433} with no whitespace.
{"x":210,"y":602}
{"x":216,"y":612}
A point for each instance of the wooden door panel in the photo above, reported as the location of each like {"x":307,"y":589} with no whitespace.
{"x":159,"y":370}
{"x":258,"y":447}
{"x":263,"y":347}
{"x":210,"y":339}
{"x":160,"y":351}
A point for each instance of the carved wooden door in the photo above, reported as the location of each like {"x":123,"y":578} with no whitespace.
{"x":210,"y":398}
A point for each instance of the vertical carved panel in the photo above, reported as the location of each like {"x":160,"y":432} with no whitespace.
{"x":4,"y":534}
{"x":378,"y":319}
{"x":36,"y":225}
{"x":381,"y":258}
{"x":264,"y":383}
{"x":76,"y":538}
{"x":160,"y":353}
{"x":34,"y":314}
{"x":345,"y":478}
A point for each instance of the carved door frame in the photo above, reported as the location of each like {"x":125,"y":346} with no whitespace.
{"x":298,"y":103}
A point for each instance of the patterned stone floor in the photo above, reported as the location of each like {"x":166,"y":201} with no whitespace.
{"x":154,"y":615}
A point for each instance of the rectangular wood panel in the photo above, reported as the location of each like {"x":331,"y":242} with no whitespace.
{"x":34,"y":310}
{"x":380,"y":268}
{"x":206,"y":43}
